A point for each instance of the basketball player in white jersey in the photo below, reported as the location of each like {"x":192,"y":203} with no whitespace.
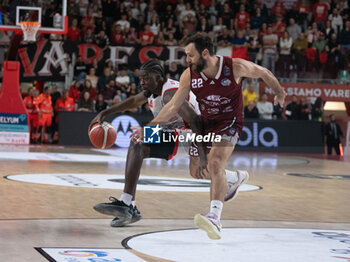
{"x":157,"y":91}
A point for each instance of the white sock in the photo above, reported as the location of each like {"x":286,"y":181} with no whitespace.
{"x":231,"y":176}
{"x":216,"y":207}
{"x":133,"y":203}
{"x":126,"y":198}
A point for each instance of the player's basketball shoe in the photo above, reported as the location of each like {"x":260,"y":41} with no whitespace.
{"x":210,"y":224}
{"x":232,"y":188}
{"x":119,"y":222}
{"x":116,"y":208}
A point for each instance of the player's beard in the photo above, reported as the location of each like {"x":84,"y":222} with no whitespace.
{"x":201,"y":64}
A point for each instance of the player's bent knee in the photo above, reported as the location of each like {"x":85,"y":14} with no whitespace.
{"x":216,"y":167}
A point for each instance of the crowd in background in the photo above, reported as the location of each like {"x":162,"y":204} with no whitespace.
{"x":283,"y":35}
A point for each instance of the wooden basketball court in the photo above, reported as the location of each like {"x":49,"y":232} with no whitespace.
{"x":295,"y":192}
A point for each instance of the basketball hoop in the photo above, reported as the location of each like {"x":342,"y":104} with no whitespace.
{"x":30,"y":29}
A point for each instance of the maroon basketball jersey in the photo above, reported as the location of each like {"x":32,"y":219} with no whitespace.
{"x":220,"y":99}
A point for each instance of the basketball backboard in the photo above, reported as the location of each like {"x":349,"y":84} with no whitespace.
{"x":51,"y":14}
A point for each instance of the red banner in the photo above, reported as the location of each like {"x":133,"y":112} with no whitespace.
{"x":327,"y":92}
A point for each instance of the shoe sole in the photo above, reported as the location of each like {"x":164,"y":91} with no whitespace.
{"x":113,"y":211}
{"x":202,"y":223}
{"x":243,"y":181}
{"x":122,"y":223}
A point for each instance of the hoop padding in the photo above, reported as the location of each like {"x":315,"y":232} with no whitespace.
{"x":30,"y":29}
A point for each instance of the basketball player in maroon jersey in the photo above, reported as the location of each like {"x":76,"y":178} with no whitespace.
{"x":216,"y":82}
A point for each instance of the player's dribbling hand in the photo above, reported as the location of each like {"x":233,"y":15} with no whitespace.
{"x":98,"y":119}
{"x":137,"y":135}
{"x":279,"y":99}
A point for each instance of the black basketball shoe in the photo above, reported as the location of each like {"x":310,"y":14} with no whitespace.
{"x":116,"y":208}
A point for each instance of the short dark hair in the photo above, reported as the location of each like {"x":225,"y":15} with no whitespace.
{"x":153,"y":66}
{"x":201,"y":41}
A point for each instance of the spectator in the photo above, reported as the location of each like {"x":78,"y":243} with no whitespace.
{"x":64,"y":103}
{"x":293,"y":109}
{"x":88,"y":22}
{"x":171,"y":40}
{"x":131,"y":37}
{"x":135,"y":10}
{"x":329,"y":30}
{"x":132,"y":90}
{"x":160,"y":40}
{"x":74,"y":33}
{"x":150,"y":13}
{"x":254,"y":46}
{"x":226,"y":15}
{"x":250,"y":111}
{"x":293,"y":29}
{"x":85,"y":103}
{"x":279,"y":27}
{"x":278,"y":8}
{"x":117,"y":35}
{"x":335,"y":57}
{"x":219,"y":27}
{"x":249,"y":94}
{"x":188,"y":19}
{"x":122,"y":81}
{"x":257,"y":20}
{"x":305,"y":109}
{"x":72,"y":10}
{"x":170,"y":28}
{"x":277,"y":112}
{"x":155,"y":25}
{"x":336,"y":21}
{"x":321,"y":47}
{"x":299,"y":49}
{"x":224,"y":39}
{"x":269,"y":50}
{"x":89,"y":37}
{"x":104,"y":79}
{"x":239,"y":40}
{"x":92,"y":77}
{"x":109,"y":91}
{"x":212,"y":12}
{"x":80,"y":69}
{"x":146,"y":36}
{"x":320,"y":13}
{"x":345,"y":37}
{"x":88,"y":87}
{"x":242,"y":18}
{"x":285,"y":57}
{"x":174,"y":71}
{"x":100,"y":22}
{"x":203,"y":26}
{"x":333,"y":134}
{"x":317,"y":110}
{"x":123,"y":22}
{"x":303,"y":12}
{"x":169,"y":13}
{"x":102,"y":40}
{"x":100,"y":103}
{"x":74,"y":91}
{"x":265,"y":108}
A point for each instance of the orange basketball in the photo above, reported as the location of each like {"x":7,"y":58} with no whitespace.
{"x":102,"y":135}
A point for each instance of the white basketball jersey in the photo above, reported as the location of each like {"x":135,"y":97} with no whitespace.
{"x":157,"y":103}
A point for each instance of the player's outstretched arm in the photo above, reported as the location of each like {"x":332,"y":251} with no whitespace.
{"x":173,"y":107}
{"x":129,"y":103}
{"x":243,"y":68}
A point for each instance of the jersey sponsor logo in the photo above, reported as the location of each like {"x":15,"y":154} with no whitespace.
{"x":151,"y":103}
{"x":216,"y":100}
{"x":226,"y":71}
{"x":225,"y":82}
{"x":213,"y":111}
{"x":227,"y":109}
